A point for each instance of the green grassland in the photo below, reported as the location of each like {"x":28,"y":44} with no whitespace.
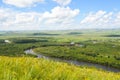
{"x":40,"y":69}
{"x":95,"y":46}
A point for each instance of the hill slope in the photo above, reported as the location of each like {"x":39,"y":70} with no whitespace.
{"x":26,"y":68}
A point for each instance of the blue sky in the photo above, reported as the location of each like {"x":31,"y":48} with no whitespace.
{"x":59,"y":14}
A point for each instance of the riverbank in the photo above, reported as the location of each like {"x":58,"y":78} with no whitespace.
{"x":79,"y":63}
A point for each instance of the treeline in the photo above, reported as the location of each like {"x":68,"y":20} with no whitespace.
{"x":112,"y":35}
{"x":74,"y":33}
{"x":15,"y":49}
{"x":1,"y":41}
{"x":24,"y":40}
{"x":27,"y":40}
{"x":45,"y":34}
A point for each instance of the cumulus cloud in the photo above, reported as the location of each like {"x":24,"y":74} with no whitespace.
{"x":101,"y":19}
{"x":117,"y":19}
{"x":10,"y":19}
{"x":63,"y":2}
{"x":57,"y":18}
{"x":93,"y":17}
{"x":22,"y":3}
{"x":60,"y":15}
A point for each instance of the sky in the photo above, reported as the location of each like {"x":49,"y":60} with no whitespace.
{"x":59,"y":14}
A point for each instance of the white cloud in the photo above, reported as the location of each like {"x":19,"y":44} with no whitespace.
{"x":93,"y":17}
{"x":10,"y":19}
{"x":63,"y":2}
{"x":14,"y":20}
{"x":22,"y":3}
{"x":101,"y":19}
{"x":60,"y":15}
{"x":57,"y":18}
{"x":117,"y":20}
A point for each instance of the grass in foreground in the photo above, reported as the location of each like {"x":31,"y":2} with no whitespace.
{"x":27,"y":68}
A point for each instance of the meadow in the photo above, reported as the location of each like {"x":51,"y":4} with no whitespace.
{"x":27,"y":68}
{"x":94,"y":46}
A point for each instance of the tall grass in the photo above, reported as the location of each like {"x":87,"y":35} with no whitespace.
{"x":26,"y":68}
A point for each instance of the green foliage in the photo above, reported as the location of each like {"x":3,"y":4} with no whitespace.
{"x":101,"y":53}
{"x":43,"y":34}
{"x":74,"y":33}
{"x":24,"y":40}
{"x":12,"y":49}
{"x":26,"y":68}
{"x":97,"y":49}
{"x":19,"y":45}
{"x":1,"y":41}
{"x":112,"y":35}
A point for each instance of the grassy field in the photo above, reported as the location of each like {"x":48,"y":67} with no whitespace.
{"x":27,"y":68}
{"x":96,"y":46}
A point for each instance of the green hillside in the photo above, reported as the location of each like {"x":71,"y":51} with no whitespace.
{"x":26,"y":68}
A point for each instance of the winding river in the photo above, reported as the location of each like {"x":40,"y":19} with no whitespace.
{"x":106,"y":68}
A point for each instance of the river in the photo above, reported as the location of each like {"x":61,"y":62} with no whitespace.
{"x":79,"y":63}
